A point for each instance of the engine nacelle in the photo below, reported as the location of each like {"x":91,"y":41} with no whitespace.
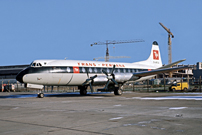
{"x":119,"y":77}
{"x":100,"y":80}
{"x":122,"y":77}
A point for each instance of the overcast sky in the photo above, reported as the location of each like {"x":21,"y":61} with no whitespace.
{"x":55,"y":29}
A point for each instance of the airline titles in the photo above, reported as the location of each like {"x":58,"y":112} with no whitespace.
{"x":99,"y":65}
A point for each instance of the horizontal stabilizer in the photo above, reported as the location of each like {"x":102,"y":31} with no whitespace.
{"x":172,"y":64}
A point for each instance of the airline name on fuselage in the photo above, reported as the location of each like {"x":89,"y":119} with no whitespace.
{"x":99,"y":65}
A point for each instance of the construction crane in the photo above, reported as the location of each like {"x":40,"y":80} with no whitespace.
{"x":169,"y":45}
{"x":114,"y":42}
{"x":112,"y":57}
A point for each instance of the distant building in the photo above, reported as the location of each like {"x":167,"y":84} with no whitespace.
{"x":198,"y":71}
{"x":10,"y":72}
{"x":181,"y":73}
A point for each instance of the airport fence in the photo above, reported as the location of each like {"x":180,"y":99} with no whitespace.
{"x":144,"y":86}
{"x":194,"y":85}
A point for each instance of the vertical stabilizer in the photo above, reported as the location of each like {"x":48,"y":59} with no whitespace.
{"x":154,"y":60}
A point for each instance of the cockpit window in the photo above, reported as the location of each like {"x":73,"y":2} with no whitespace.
{"x":33,"y":64}
{"x":36,"y":64}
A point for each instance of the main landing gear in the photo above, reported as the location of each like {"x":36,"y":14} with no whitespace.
{"x":83,"y":90}
{"x":117,"y":90}
{"x":110,"y":87}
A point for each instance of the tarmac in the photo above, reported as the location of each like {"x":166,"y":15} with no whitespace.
{"x":132,"y":113}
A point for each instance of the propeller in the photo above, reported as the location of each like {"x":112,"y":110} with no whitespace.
{"x":89,"y":80}
{"x":110,"y":77}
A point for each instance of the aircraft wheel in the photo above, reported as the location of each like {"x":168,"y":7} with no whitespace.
{"x":118,"y":92}
{"x":40,"y":95}
{"x":83,"y":92}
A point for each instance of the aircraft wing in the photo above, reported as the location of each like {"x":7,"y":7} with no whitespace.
{"x":158,"y":71}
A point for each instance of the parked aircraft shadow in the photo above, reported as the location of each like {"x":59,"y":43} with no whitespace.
{"x":104,"y":94}
{"x":19,"y":96}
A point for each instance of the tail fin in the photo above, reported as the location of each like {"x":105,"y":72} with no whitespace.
{"x":154,"y":60}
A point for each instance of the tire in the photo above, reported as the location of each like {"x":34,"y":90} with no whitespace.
{"x":83,"y":92}
{"x":118,"y":92}
{"x":185,"y":89}
{"x":40,"y":95}
{"x":174,"y":90}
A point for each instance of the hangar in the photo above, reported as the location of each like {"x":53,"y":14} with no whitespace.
{"x":10,"y":72}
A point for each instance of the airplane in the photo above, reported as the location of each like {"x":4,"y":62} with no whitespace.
{"x":92,"y":73}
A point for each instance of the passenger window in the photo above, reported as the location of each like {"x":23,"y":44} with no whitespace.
{"x":68,"y":70}
{"x":90,"y":70}
{"x":83,"y":70}
{"x":95,"y":69}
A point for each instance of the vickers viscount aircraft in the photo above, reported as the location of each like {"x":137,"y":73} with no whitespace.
{"x":91,"y":73}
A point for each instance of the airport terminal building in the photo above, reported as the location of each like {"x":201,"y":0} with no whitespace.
{"x":10,"y":72}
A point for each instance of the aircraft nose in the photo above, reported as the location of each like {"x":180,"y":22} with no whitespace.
{"x":20,"y":75}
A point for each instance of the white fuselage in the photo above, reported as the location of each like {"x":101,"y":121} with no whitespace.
{"x":73,"y":72}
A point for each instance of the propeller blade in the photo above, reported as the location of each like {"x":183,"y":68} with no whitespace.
{"x":93,"y":77}
{"x":106,"y":85}
{"x":114,"y":81}
{"x":105,"y":72}
{"x":87,"y":72}
{"x":113,"y":69}
{"x":91,"y":88}
{"x":110,"y":77}
{"x":87,"y":82}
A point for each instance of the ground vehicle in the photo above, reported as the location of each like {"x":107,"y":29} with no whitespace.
{"x":7,"y":88}
{"x":179,"y":86}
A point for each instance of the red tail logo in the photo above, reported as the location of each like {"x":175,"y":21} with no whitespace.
{"x":155,"y":54}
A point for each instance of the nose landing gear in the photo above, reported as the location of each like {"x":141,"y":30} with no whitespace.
{"x":40,"y":95}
